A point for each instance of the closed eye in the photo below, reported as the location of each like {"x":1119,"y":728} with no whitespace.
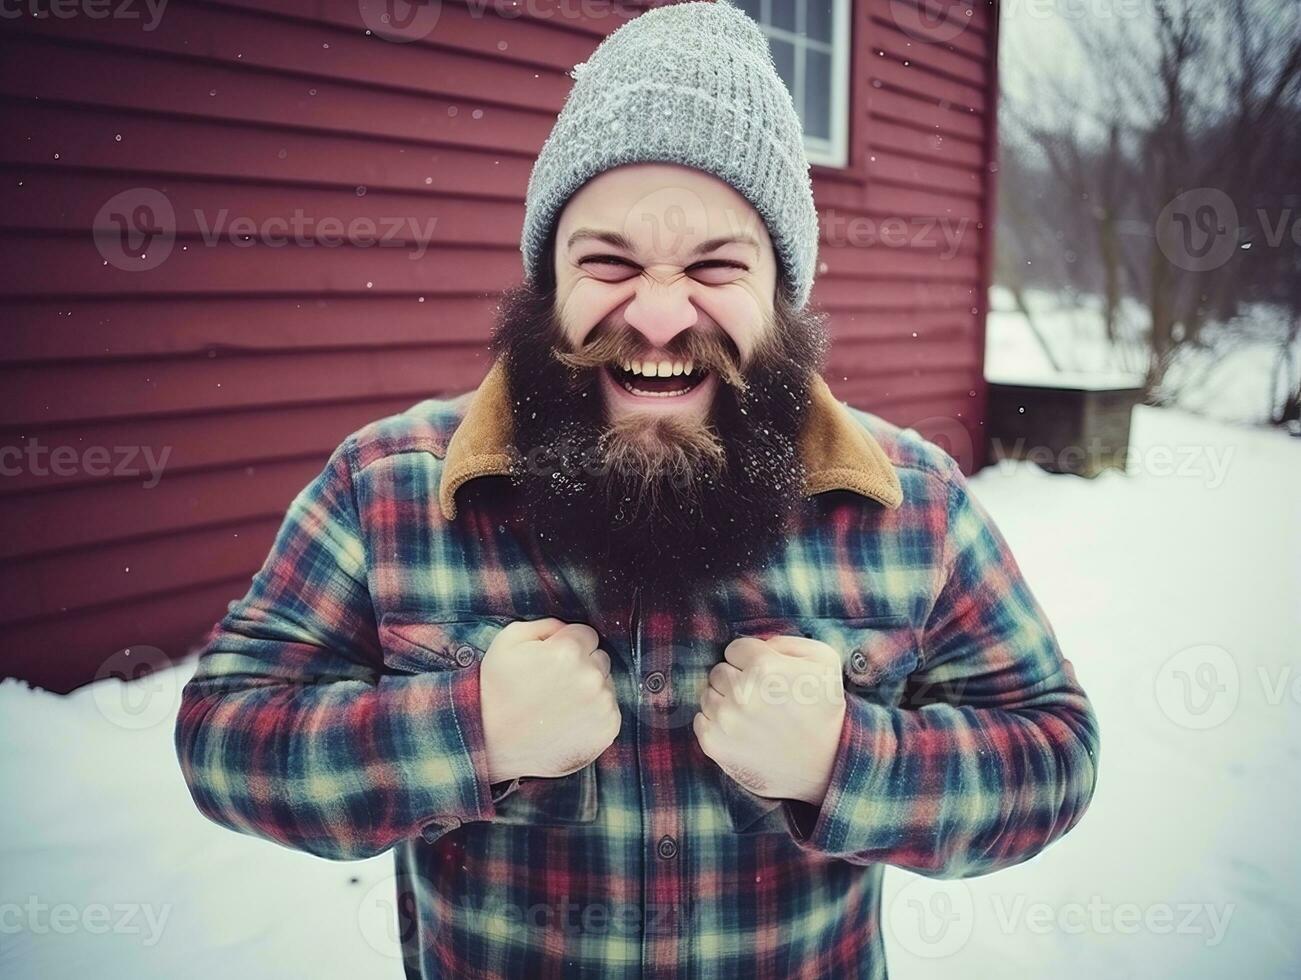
{"x":721,"y":264}
{"x":714,"y":267}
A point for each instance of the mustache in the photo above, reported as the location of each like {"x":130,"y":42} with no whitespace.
{"x":706,"y":349}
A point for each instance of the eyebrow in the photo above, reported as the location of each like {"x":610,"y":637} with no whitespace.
{"x":616,"y":240}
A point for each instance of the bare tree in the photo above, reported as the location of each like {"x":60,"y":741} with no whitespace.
{"x":1186,"y":116}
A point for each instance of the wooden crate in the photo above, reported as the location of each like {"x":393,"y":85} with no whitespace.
{"x":1078,"y":426}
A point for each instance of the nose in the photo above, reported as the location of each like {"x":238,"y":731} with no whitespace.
{"x":660,"y":311}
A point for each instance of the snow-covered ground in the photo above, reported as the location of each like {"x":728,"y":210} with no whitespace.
{"x":1173,"y":589}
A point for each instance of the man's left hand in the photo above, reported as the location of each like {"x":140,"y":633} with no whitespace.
{"x":771,"y":715}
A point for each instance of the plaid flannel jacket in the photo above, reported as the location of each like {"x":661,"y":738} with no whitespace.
{"x":335,"y":709}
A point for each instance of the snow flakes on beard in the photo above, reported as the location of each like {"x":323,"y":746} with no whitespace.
{"x":670,"y":534}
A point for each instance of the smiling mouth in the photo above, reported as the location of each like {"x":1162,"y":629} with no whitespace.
{"x":654,"y":386}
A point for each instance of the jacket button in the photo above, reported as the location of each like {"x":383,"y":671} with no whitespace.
{"x":858,"y":661}
{"x":667,"y":848}
{"x":655,"y":681}
{"x":464,"y":655}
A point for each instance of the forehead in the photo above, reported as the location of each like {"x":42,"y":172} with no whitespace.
{"x":662,"y":208}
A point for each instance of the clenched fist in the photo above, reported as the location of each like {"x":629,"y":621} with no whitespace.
{"x":772,"y":713}
{"x":548,"y":703}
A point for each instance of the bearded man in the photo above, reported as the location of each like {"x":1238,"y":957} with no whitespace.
{"x":648,"y":654}
{"x":669,"y":477}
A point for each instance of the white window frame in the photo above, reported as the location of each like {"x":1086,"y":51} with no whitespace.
{"x":832,"y":152}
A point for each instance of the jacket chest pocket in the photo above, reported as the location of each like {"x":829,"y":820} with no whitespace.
{"x":876,"y":654}
{"x":415,"y":643}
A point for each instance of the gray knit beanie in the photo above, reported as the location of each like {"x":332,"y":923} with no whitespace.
{"x":693,"y":84}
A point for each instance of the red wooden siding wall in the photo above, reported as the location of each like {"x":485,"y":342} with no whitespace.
{"x":247,"y":362}
{"x":907,"y":295}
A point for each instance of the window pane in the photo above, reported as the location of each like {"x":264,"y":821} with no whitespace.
{"x":817,"y":19}
{"x":817,"y":93}
{"x":751,"y":7}
{"x":783,"y":56}
{"x":783,"y":14}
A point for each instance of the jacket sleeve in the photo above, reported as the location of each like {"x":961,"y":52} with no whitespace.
{"x":993,"y":754}
{"x":289,"y":729}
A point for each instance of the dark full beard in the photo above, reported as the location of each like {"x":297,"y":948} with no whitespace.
{"x":703,"y":504}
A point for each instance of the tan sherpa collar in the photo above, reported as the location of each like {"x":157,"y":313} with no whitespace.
{"x":839,"y":454}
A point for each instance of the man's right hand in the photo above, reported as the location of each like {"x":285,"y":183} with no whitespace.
{"x":548,"y":703}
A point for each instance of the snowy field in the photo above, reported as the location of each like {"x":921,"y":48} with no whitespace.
{"x":1173,"y":589}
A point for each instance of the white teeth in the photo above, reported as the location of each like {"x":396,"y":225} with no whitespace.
{"x":656,"y":394}
{"x":659,"y":369}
